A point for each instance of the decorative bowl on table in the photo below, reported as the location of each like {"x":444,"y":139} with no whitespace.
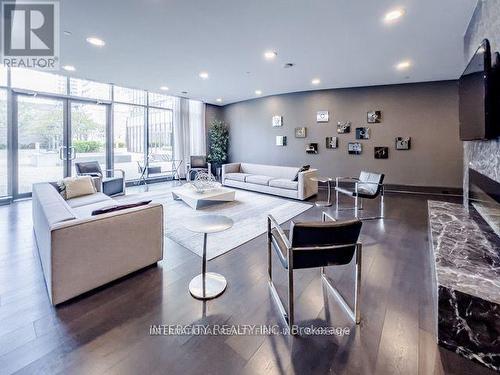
{"x":204,"y":181}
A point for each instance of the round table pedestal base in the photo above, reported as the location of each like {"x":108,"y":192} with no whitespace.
{"x":215,"y":285}
{"x":323,"y":204}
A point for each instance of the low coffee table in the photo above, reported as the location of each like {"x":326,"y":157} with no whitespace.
{"x":207,"y":285}
{"x":195,"y":200}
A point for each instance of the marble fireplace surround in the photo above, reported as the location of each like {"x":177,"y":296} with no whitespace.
{"x":467,"y":271}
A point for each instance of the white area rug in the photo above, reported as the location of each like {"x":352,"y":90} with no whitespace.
{"x":249,"y":212}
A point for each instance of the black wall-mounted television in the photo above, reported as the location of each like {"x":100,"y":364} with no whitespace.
{"x":477,"y":96}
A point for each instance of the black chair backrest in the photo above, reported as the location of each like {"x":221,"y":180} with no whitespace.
{"x":323,"y":234}
{"x":199,"y":161}
{"x":88,"y":167}
{"x":373,"y":182}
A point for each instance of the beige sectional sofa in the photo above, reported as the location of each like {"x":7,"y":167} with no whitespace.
{"x":270,"y":179}
{"x":80,"y":252}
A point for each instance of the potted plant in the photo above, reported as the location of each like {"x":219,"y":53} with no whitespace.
{"x":218,"y":136}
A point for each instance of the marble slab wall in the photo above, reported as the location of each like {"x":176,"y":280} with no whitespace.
{"x":467,"y":267}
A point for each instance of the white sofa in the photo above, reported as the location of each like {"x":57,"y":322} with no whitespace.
{"x":80,"y":252}
{"x":270,"y":179}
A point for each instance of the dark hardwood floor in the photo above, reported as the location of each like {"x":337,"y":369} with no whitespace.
{"x":107,"y":331}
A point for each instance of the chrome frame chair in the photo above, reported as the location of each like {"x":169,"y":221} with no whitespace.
{"x":288,"y":263}
{"x":360,"y":195}
{"x":99,"y":173}
{"x":189,"y":166}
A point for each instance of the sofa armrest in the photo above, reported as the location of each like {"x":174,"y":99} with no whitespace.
{"x":307,"y":187}
{"x":90,"y":252}
{"x":230,"y":168}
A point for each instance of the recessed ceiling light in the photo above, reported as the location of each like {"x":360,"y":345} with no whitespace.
{"x":218,"y":100}
{"x":316,"y":81}
{"x":96,"y":41}
{"x":163,"y":88}
{"x":394,"y":15}
{"x":203,"y":75}
{"x":258,"y":92}
{"x":403,"y":65}
{"x":69,"y":68}
{"x":270,"y":55}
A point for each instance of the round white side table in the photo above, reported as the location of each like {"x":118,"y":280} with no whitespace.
{"x":208,"y":285}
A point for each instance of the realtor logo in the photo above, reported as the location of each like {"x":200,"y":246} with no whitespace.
{"x":30,"y":34}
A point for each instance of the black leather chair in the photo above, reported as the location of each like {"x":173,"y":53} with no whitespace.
{"x":110,"y":185}
{"x":196,"y":164}
{"x":367,"y":186}
{"x":310,"y":245}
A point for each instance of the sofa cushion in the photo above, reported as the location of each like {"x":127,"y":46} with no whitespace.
{"x":283,"y":183}
{"x":258,"y":179}
{"x":89,"y":199}
{"x":236,"y":176}
{"x":78,"y":186}
{"x":85,"y":211}
{"x":304,"y":168}
{"x":269,"y":170}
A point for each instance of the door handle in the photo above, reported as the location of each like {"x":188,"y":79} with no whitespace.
{"x":72,"y":153}
{"x":61,"y":153}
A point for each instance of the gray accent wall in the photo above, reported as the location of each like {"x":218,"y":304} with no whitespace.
{"x":427,"y":112}
{"x":483,"y":156}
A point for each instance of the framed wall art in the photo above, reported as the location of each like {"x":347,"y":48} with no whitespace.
{"x":322,"y":116}
{"x":343,"y":127}
{"x":363,"y":133}
{"x":332,"y":142}
{"x":301,"y":132}
{"x":381,"y":152}
{"x":312,"y":148}
{"x":374,"y":117}
{"x":281,"y":140}
{"x":354,"y":148}
{"x":403,"y":143}
{"x":277,"y":121}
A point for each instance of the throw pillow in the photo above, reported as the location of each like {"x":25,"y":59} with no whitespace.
{"x":119,"y":207}
{"x":78,"y":186}
{"x":302,"y":169}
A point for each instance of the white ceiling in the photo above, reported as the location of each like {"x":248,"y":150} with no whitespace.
{"x":345,"y":43}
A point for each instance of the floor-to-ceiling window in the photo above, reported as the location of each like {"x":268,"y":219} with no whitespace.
{"x":88,"y":133}
{"x":160,"y":133}
{"x":128,"y":139}
{"x":59,"y":120}
{"x":40,"y":138}
{"x":3,"y":144}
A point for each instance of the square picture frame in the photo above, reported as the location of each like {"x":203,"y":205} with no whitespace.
{"x":312,"y":148}
{"x":281,"y":140}
{"x":343,"y":127}
{"x":374,"y":117}
{"x":322,"y":116}
{"x":277,"y":121}
{"x":381,"y":152}
{"x":354,"y":148}
{"x":402,"y":143}
{"x":301,"y":132}
{"x":332,"y":142}
{"x":363,"y":133}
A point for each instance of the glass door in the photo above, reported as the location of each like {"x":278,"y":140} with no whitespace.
{"x":4,"y":166}
{"x":88,"y":133}
{"x":40,"y":154}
